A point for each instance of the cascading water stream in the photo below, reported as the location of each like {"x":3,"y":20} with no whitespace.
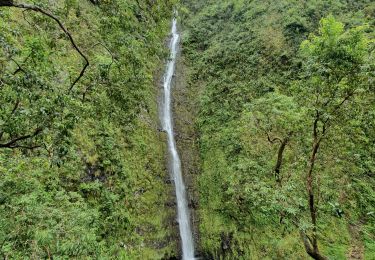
{"x":182,"y":205}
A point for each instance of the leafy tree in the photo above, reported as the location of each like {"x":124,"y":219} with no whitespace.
{"x":280,"y":118}
{"x":335,"y":76}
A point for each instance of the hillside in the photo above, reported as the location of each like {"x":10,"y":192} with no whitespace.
{"x":192,"y":129}
{"x":285,"y":126}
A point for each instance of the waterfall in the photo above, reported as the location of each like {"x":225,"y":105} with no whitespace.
{"x":182,"y":205}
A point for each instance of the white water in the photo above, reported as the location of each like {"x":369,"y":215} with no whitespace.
{"x":182,"y":205}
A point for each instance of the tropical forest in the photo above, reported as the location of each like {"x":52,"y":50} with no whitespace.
{"x":187,"y":129}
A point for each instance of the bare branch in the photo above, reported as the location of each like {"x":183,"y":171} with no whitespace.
{"x":109,"y":67}
{"x":25,"y":147}
{"x":315,"y":126}
{"x":42,"y":11}
{"x":272,"y":140}
{"x":15,"y":106}
{"x":279,"y":160}
{"x":24,"y":17}
{"x":346,"y":98}
{"x":336,"y":108}
{"x":108,"y":50}
{"x":13,"y":143}
{"x":19,"y":67}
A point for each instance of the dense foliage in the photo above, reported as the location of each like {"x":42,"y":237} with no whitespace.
{"x":286,"y":127}
{"x":285,"y":94}
{"x":82,"y":166}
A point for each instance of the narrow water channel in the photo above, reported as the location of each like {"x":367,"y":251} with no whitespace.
{"x":183,"y":217}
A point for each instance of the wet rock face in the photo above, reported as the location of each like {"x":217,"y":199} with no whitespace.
{"x":193,"y":203}
{"x":172,"y":258}
{"x":226,"y":241}
{"x":185,"y":112}
{"x":183,"y":211}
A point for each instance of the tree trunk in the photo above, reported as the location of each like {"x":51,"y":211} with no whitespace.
{"x":280,"y":159}
{"x":309,"y":250}
{"x":310,"y":191}
{"x":311,"y":243}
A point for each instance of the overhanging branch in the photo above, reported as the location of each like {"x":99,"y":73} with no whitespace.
{"x":14,"y":142}
{"x":10,"y":3}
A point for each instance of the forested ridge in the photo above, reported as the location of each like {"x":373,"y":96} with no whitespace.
{"x":286,"y":127}
{"x":274,"y":108}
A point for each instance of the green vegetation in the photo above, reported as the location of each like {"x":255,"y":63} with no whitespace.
{"x":282,"y":95}
{"x":285,"y":127}
{"x":82,"y":164}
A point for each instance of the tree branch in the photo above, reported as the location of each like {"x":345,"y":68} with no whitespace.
{"x":315,"y":126}
{"x":19,"y":67}
{"x":13,"y":143}
{"x":108,"y":50}
{"x":40,"y":10}
{"x":25,"y":147}
{"x":15,"y":106}
{"x":272,"y":140}
{"x":280,"y":154}
{"x":309,"y":249}
{"x":108,"y":70}
{"x":338,"y":106}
